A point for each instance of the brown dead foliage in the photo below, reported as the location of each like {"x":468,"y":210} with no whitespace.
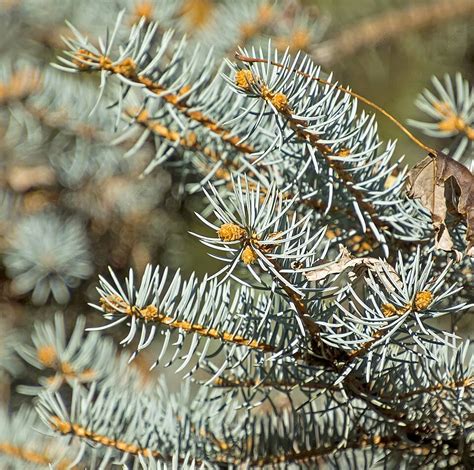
{"x":445,"y":186}
{"x":356,"y":267}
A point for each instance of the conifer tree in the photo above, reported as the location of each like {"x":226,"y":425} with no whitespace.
{"x":331,"y":333}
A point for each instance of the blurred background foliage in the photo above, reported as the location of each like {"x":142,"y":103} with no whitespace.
{"x":393,"y":71}
{"x":386,"y":50}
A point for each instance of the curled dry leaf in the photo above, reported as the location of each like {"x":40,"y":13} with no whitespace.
{"x":356,"y":267}
{"x":444,"y":186}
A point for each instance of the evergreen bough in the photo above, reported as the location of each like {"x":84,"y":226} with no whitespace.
{"x":318,"y":342}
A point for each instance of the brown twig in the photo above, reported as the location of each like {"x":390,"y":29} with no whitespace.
{"x":383,"y":442}
{"x":440,"y":387}
{"x":33,"y":457}
{"x":361,"y":98}
{"x":128,"y":69}
{"x":389,"y":26}
{"x":150,"y":314}
{"x":69,"y":428}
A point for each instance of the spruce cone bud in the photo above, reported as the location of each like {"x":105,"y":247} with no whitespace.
{"x":47,"y":355}
{"x":244,"y":79}
{"x":423,"y":300}
{"x":231,"y":232}
{"x":389,"y":310}
{"x":280,"y":101}
{"x":248,"y":256}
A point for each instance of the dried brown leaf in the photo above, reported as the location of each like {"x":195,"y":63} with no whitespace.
{"x":356,"y":267}
{"x":444,"y":186}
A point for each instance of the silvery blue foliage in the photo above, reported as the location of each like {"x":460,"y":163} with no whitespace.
{"x":344,"y":172}
{"x":81,"y":152}
{"x":24,"y":444}
{"x":75,"y":358}
{"x":450,"y":110}
{"x":212,"y":314}
{"x":290,"y":162}
{"x":9,"y":339}
{"x":48,"y":255}
{"x":153,"y":419}
{"x":348,"y":369}
{"x":272,"y":236}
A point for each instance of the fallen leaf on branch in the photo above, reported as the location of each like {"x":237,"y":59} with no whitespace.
{"x":356,"y":267}
{"x":444,"y":186}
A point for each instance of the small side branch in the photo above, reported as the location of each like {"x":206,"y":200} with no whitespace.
{"x":75,"y":429}
{"x":32,"y":457}
{"x":127,"y":68}
{"x":390,"y":26}
{"x":150,"y":314}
